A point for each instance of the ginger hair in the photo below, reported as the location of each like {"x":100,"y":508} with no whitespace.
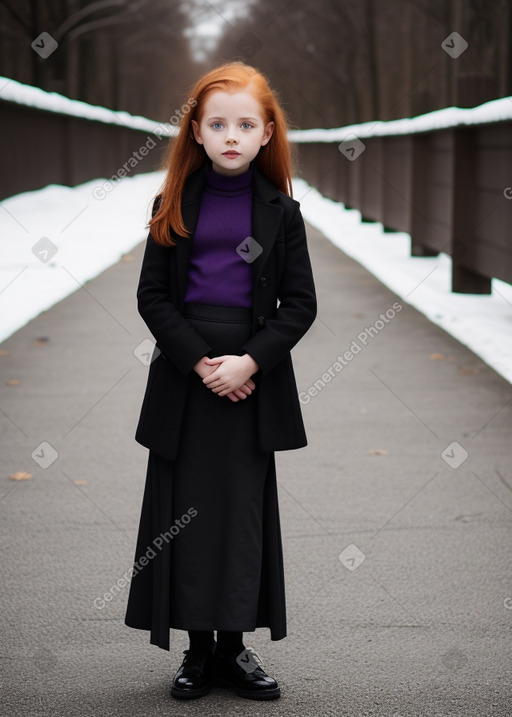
{"x":184,"y":155}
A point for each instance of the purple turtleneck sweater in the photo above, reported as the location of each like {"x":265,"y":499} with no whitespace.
{"x":217,"y":274}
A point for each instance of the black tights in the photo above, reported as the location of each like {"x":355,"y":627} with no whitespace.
{"x":228,"y":641}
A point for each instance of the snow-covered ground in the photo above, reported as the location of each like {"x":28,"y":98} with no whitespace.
{"x":54,"y":239}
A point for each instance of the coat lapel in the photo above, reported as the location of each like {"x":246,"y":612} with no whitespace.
{"x":190,"y":206}
{"x":266,"y":215}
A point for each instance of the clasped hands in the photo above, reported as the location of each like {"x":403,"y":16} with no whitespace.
{"x":228,"y":375}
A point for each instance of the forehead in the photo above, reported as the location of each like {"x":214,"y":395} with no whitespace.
{"x":232,"y":104}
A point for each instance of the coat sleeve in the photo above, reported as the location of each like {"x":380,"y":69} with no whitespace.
{"x":297,"y":299}
{"x":174,"y":335}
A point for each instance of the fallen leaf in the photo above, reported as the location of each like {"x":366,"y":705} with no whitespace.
{"x":3,"y":352}
{"x":40,"y":341}
{"x":463,"y":371}
{"x":436,"y":357}
{"x":127,"y":257}
{"x":20,"y":475}
{"x":80,"y":482}
{"x":378,"y":452}
{"x":13,"y":382}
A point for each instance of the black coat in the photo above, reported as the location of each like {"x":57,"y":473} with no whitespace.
{"x":281,"y":272}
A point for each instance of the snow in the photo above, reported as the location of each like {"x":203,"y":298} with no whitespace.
{"x":494,"y":111}
{"x":13,"y":91}
{"x":91,"y":235}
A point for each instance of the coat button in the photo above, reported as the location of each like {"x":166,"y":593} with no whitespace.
{"x":263,"y":281}
{"x":260,"y":320}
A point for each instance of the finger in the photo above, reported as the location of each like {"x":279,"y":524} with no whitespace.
{"x":211,"y":379}
{"x":213,"y":361}
{"x":216,"y":385}
{"x":224,"y":390}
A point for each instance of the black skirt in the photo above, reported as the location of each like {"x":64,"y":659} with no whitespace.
{"x":209,"y":551}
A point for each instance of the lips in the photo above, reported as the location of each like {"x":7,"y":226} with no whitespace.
{"x":231,"y":153}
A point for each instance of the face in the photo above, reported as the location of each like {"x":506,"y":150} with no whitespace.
{"x":232,"y":130}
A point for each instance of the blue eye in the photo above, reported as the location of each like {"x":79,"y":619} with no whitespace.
{"x":216,"y":123}
{"x":248,"y":125}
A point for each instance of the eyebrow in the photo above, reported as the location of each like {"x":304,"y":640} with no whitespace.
{"x":254,"y":119}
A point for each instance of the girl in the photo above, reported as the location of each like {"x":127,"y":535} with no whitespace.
{"x":226,"y":244}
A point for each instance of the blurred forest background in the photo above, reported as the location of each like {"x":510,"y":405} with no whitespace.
{"x":333,"y":62}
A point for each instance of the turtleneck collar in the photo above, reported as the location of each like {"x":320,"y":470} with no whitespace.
{"x":228,"y":183}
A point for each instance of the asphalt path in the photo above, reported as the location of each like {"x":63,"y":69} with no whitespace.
{"x":396,"y":518}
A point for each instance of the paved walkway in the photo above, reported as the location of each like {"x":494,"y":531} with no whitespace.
{"x":396,"y":518}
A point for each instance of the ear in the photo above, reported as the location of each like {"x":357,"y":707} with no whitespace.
{"x":269,"y":128}
{"x":195,"y":129}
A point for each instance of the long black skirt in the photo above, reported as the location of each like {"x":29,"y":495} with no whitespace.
{"x":209,"y":551}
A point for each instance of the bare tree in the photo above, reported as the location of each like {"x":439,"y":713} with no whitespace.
{"x":108,"y":50}
{"x":334,"y":62}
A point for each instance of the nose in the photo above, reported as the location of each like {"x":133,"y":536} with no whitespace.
{"x":231,"y":138}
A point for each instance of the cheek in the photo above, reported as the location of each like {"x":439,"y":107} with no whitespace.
{"x":209,"y":136}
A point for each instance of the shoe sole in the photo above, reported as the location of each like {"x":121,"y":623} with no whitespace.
{"x":248,"y":694}
{"x":189,"y":694}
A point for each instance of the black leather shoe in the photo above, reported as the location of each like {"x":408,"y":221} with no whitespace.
{"x":245,"y":675}
{"x":194,"y":676}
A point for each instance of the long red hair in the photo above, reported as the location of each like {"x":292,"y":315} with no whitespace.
{"x":184,"y":155}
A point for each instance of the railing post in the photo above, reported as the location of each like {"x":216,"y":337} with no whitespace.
{"x":371,"y":182}
{"x":419,"y":183}
{"x":464,"y":279}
